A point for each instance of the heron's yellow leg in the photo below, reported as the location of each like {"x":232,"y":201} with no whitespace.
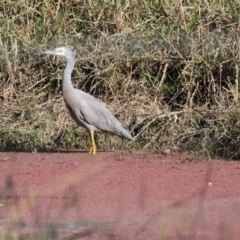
{"x":93,"y":147}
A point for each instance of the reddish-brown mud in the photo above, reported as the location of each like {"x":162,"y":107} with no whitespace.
{"x":118,"y":195}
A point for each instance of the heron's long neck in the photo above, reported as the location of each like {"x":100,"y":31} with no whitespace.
{"x":66,"y":81}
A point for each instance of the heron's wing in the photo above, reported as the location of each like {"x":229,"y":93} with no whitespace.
{"x":96,"y":114}
{"x":90,"y":111}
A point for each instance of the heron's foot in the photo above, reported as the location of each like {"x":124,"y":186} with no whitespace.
{"x":93,"y":149}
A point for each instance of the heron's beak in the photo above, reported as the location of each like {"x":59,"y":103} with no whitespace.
{"x":49,"y":52}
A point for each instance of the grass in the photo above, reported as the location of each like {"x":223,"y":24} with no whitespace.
{"x":169,"y":70}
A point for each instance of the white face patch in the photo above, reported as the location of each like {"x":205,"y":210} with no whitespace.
{"x":60,"y":51}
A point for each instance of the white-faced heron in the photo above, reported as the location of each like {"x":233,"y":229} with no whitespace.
{"x":86,"y":110}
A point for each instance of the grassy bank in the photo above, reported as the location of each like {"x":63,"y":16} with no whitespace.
{"x":169,"y":70}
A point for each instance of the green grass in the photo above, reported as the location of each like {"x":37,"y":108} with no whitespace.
{"x":169,"y":70}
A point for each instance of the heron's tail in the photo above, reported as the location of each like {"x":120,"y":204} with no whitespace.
{"x":125,"y":133}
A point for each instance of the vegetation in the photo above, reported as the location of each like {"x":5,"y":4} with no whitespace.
{"x":169,"y":70}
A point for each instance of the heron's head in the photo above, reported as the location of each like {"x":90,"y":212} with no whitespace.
{"x":61,"y":51}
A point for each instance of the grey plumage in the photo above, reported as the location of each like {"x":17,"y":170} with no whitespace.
{"x":86,"y":110}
